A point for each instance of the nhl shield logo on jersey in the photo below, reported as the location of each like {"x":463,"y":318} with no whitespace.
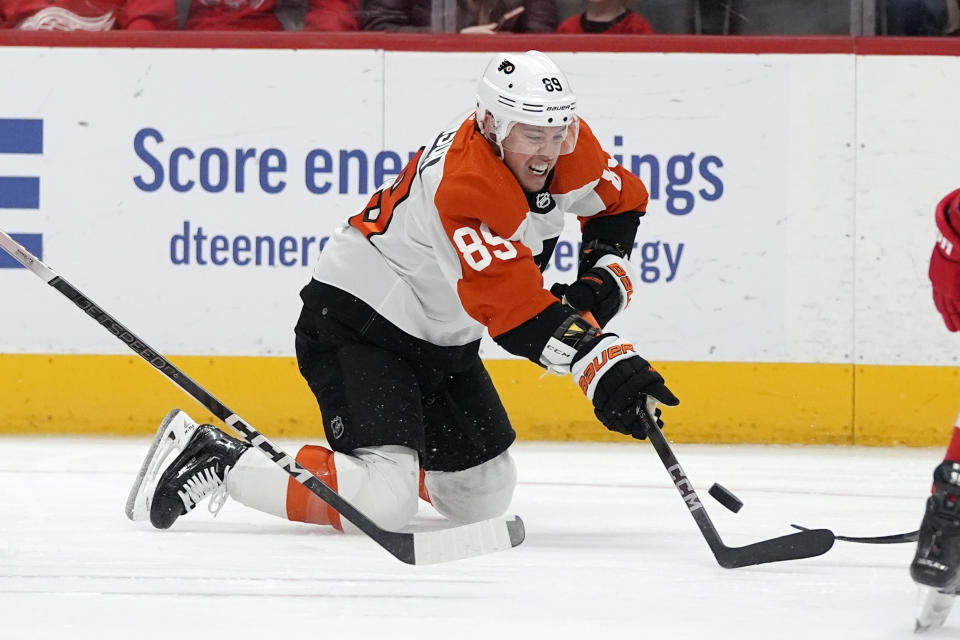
{"x":507,"y":67}
{"x":541,"y":202}
{"x":336,"y":427}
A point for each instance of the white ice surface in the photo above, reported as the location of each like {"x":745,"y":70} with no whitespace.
{"x":611,"y":552}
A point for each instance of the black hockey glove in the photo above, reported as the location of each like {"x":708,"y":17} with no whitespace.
{"x":604,"y":290}
{"x":617,"y":381}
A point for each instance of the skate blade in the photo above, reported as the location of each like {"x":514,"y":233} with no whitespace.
{"x":933,"y":613}
{"x":172,"y":435}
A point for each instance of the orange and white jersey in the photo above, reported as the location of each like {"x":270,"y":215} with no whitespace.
{"x":448,"y":248}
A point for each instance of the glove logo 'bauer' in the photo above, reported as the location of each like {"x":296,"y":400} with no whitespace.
{"x":605,"y":357}
{"x":625,"y":281}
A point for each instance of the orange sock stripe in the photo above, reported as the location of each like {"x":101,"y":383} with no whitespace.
{"x":953,"y":449}
{"x":302,"y":504}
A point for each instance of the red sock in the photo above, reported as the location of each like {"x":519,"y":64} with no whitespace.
{"x":953,"y":449}
{"x":302,"y":504}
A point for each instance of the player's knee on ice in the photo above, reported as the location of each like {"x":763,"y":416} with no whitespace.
{"x":474,"y":494}
{"x":382,"y":483}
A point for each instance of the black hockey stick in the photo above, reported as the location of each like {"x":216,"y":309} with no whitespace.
{"x":425,"y":547}
{"x":895,"y":538}
{"x":805,"y":544}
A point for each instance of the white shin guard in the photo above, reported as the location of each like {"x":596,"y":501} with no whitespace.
{"x":381,"y":482}
{"x":257,"y":482}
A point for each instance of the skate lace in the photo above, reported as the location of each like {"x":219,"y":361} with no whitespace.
{"x":219,"y":497}
{"x":199,"y":485}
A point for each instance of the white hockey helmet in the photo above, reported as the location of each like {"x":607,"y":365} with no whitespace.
{"x":527,"y":88}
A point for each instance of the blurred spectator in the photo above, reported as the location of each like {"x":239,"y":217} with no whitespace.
{"x":247,"y":15}
{"x":59,"y":15}
{"x":921,"y":17}
{"x":473,"y":16}
{"x":606,"y":16}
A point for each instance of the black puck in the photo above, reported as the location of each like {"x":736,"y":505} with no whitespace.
{"x":723,"y":495}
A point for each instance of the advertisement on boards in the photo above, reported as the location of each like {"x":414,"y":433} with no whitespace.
{"x":190,"y":192}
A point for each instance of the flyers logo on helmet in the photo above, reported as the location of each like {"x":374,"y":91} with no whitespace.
{"x":605,"y":357}
{"x":507,"y":67}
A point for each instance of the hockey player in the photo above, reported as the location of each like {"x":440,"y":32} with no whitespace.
{"x":389,"y":333}
{"x":937,"y":561}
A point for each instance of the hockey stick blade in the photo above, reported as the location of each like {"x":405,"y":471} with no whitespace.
{"x":426,"y":547}
{"x":894,"y":538}
{"x":795,"y":546}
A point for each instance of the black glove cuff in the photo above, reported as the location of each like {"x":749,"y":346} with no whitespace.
{"x":616,"y":231}
{"x":578,"y":334}
{"x":557,"y":325}
{"x":573,"y":337}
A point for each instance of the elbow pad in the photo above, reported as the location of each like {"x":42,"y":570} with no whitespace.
{"x":609,"y":234}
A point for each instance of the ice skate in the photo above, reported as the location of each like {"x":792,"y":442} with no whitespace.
{"x":199,"y":471}
{"x":172,"y":436}
{"x":934,"y":610}
{"x":936,"y":565}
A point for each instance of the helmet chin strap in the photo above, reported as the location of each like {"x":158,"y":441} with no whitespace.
{"x":499,"y":148}
{"x":491,"y":137}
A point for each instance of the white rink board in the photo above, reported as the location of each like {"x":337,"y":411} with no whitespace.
{"x":761,"y":180}
{"x":113,"y":239}
{"x":908,"y":159}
